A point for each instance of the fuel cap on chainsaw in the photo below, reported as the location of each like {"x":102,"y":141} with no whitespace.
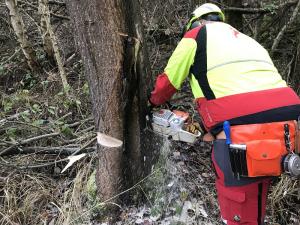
{"x":292,"y":164}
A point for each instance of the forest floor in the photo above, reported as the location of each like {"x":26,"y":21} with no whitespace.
{"x":187,"y":193}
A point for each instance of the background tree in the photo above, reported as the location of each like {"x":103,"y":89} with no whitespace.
{"x":234,"y":18}
{"x":21,"y":33}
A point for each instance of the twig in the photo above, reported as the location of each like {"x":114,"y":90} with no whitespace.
{"x":34,"y":166}
{"x":56,"y":3}
{"x":85,"y":130}
{"x":289,"y":68}
{"x":28,"y":141}
{"x":280,"y":34}
{"x":80,"y":138}
{"x":52,"y":14}
{"x":27,"y":124}
{"x":12,"y":56}
{"x":22,"y":167}
{"x":55,"y":150}
{"x":80,"y":122}
{"x":69,"y":59}
{"x":32,"y":139}
{"x":64,"y":116}
{"x":85,"y":146}
{"x":13,"y":116}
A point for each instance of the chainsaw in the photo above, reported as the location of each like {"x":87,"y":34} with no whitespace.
{"x":174,"y":125}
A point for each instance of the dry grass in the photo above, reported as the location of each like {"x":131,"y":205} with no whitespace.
{"x":284,"y":201}
{"x":73,"y":208}
{"x":24,"y":197}
{"x":35,"y":198}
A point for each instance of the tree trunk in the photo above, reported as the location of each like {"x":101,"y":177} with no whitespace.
{"x":109,"y":36}
{"x":45,"y":20}
{"x":235,"y":19}
{"x":50,"y":43}
{"x":18,"y":26}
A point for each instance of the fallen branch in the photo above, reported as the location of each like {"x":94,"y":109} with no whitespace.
{"x":260,"y":10}
{"x":13,"y":116}
{"x":36,"y":138}
{"x":27,"y":124}
{"x":53,"y":150}
{"x":27,"y":141}
{"x":280,"y":34}
{"x":22,"y":167}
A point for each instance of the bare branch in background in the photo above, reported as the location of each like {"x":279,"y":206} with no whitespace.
{"x":281,"y":33}
{"x":260,"y":10}
{"x":51,"y":13}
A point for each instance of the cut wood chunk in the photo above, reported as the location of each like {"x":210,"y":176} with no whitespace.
{"x":108,"y":141}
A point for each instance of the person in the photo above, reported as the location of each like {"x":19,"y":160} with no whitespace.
{"x":233,"y":79}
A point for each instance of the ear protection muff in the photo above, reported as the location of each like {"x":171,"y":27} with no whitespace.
{"x":188,"y":26}
{"x":194,"y":21}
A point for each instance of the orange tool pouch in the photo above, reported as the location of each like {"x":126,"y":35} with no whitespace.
{"x":266,"y":145}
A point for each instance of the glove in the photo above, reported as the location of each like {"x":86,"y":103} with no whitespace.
{"x":193,"y":128}
{"x":150,"y":105}
{"x":149,"y":117}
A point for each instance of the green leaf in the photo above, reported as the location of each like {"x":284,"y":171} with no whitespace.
{"x":11,"y":132}
{"x":36,"y":108}
{"x":25,"y":117}
{"x":52,"y":110}
{"x":86,"y":89}
{"x":38,"y":122}
{"x":7,"y":106}
{"x":66,"y":130}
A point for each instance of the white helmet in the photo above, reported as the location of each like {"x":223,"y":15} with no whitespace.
{"x":206,"y":11}
{"x":208,"y":8}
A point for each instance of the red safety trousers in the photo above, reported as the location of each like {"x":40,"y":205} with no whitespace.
{"x":245,"y":204}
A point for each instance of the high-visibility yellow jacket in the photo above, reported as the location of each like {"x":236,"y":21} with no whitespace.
{"x":232,"y":78}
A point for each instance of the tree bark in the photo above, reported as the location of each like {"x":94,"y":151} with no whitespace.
{"x":99,"y":28}
{"x":110,"y":38}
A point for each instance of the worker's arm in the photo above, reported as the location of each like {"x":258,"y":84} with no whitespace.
{"x":176,"y":71}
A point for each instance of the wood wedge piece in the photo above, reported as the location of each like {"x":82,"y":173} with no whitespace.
{"x":108,"y":141}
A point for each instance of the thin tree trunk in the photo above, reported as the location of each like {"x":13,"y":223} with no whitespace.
{"x":45,"y":17}
{"x":50,"y":42}
{"x":20,"y":31}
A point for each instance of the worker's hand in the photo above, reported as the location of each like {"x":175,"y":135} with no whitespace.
{"x":150,"y":105}
{"x":208,"y":137}
{"x":193,"y":128}
{"x":149,"y":117}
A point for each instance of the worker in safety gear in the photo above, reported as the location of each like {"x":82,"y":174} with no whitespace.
{"x":233,"y":79}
